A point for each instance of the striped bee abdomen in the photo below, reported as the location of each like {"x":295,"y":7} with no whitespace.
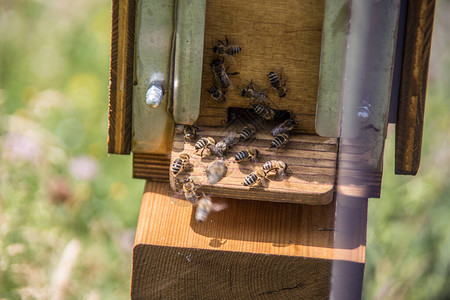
{"x":246,"y":133}
{"x":280,"y":141}
{"x":264,"y":111}
{"x":274,"y":80}
{"x":233,"y":49}
{"x":270,"y":165}
{"x":246,"y":154}
{"x":242,"y":155}
{"x":251,"y":179}
{"x":201,"y":143}
{"x":177,"y":165}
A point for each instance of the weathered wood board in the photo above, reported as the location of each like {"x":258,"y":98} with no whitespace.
{"x":274,"y":35}
{"x":121,"y":77}
{"x":251,"y":250}
{"x":413,"y":87}
{"x":311,"y":168}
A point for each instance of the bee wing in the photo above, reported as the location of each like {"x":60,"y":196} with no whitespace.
{"x":179,"y":128}
{"x":216,"y":151}
{"x":218,"y":206}
{"x":265,"y":182}
{"x":230,"y":59}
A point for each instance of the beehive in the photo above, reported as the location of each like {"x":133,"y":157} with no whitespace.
{"x":270,"y":42}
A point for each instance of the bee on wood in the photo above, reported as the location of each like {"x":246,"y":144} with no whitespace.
{"x":256,"y":95}
{"x":189,"y":189}
{"x":223,"y":49}
{"x":221,"y":147}
{"x":216,"y":171}
{"x":190,"y":132}
{"x":280,"y":140}
{"x":217,"y":94}
{"x":251,"y":153}
{"x":287,"y":125}
{"x":255,"y":177}
{"x":220,"y":73}
{"x":204,"y":143}
{"x":247,"y":132}
{"x":278,"y":166}
{"x":205,"y":206}
{"x":180,"y":163}
{"x":264,"y":111}
{"x":278,"y":84}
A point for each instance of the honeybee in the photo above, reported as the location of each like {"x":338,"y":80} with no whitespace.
{"x":280,"y":140}
{"x":257,"y":95}
{"x":278,"y":84}
{"x":278,"y":166}
{"x":251,"y":153}
{"x":221,"y":147}
{"x":264,"y":111}
{"x":247,"y":132}
{"x":180,"y":163}
{"x":204,"y":143}
{"x":216,"y":171}
{"x":220,"y":73}
{"x":255,"y":177}
{"x":205,"y":206}
{"x":190,"y":132}
{"x":217,"y":94}
{"x":189,"y":188}
{"x":287,"y":125}
{"x":222,"y":48}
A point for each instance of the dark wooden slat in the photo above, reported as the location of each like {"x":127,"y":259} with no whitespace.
{"x":151,"y":167}
{"x":121,"y":76}
{"x":411,"y":106}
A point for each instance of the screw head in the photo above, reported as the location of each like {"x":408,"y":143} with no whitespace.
{"x":363,"y":114}
{"x":155,"y":94}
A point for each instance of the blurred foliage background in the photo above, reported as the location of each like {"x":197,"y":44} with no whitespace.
{"x":60,"y":192}
{"x":68,"y":210}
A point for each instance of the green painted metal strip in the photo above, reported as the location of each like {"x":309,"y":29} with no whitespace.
{"x":332,"y":67}
{"x":188,"y":60}
{"x":154,"y":30}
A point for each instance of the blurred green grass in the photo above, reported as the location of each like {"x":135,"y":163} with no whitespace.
{"x":54,"y":102}
{"x":53,"y":105}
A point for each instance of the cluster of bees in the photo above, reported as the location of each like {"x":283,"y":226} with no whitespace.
{"x":222,"y":81}
{"x":259,"y":101}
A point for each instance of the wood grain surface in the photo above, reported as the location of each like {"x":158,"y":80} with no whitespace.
{"x":153,"y":167}
{"x":413,"y":86}
{"x":252,"y":249}
{"x":179,"y":273}
{"x":121,"y":76}
{"x":311,"y":164}
{"x":274,"y":36}
{"x":247,"y":226}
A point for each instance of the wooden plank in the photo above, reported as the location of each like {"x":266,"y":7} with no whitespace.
{"x":274,"y":36}
{"x":121,"y":77}
{"x":259,"y":241}
{"x":207,"y":274}
{"x":411,"y":105}
{"x":310,"y":159}
{"x":153,"y":167}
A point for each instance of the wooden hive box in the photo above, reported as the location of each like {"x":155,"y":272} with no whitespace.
{"x":280,"y":36}
{"x":262,"y":249}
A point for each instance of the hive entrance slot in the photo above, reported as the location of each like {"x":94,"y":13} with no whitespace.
{"x":311,"y":160}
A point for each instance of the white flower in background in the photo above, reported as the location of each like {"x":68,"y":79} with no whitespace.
{"x":84,"y":167}
{"x":22,"y":148}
